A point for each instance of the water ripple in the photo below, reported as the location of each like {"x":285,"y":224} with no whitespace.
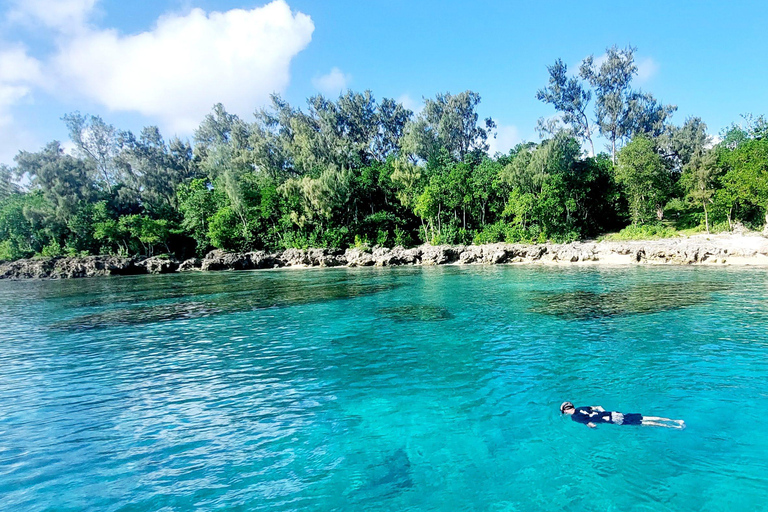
{"x":402,"y":389}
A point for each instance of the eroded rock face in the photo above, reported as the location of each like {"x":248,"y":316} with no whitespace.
{"x":749,"y":250}
{"x":295,"y":257}
{"x":220,"y":260}
{"x":64,"y":268}
{"x":156,"y":265}
{"x":440,"y":254}
{"x":326,"y":257}
{"x":311,"y":257}
{"x":358,"y":258}
{"x":190,"y":265}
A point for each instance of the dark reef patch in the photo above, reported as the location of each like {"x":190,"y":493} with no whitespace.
{"x":277,"y":295}
{"x":416,"y":313}
{"x":635,"y":300}
{"x":390,"y":477}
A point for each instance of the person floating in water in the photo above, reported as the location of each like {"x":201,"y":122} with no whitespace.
{"x":592,"y":416}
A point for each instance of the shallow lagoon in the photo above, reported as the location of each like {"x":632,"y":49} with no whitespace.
{"x":384,"y":389}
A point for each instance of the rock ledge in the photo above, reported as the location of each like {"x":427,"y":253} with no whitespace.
{"x":698,"y":250}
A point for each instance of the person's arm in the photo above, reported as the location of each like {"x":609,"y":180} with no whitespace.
{"x":591,"y":425}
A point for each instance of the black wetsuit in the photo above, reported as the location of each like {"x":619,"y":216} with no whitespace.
{"x":591,"y":415}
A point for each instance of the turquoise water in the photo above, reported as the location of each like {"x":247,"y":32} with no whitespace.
{"x":384,"y":389}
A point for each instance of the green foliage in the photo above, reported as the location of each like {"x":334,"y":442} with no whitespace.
{"x":226,"y":230}
{"x":26,"y":225}
{"x":571,"y":98}
{"x":7,"y":185}
{"x":352,"y":171}
{"x":643,"y":232}
{"x":8,"y":252}
{"x":699,"y":181}
{"x":620,"y":111}
{"x":53,"y":249}
{"x":449,"y":122}
{"x":644,"y":179}
{"x":63,"y":179}
{"x":745,"y":181}
{"x":197,"y":204}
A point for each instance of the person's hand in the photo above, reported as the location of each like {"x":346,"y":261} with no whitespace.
{"x":591,"y":425}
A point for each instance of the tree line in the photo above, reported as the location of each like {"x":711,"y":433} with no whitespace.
{"x":354,"y":171}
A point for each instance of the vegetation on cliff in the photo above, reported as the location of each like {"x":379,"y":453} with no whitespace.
{"x":355,"y":171}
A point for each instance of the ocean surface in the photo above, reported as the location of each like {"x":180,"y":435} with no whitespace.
{"x":385,"y":389}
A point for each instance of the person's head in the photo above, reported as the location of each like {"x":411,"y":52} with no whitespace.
{"x":567,"y":408}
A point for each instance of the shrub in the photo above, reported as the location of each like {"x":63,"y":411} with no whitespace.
{"x":643,"y":232}
{"x":52,"y":250}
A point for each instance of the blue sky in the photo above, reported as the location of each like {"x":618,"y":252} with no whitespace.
{"x":166,"y":62}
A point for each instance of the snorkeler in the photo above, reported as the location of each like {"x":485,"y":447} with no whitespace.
{"x":591,"y":416}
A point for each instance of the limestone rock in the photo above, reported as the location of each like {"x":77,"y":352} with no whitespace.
{"x":66,"y":268}
{"x":156,"y":265}
{"x":220,"y":260}
{"x":295,"y":257}
{"x":190,"y":265}
{"x":359,"y":258}
{"x":440,"y":254}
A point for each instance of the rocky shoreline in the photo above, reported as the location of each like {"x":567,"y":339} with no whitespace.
{"x":700,"y":250}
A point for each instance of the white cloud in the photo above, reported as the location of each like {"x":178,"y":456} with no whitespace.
{"x":415,"y":106}
{"x":16,"y":66}
{"x":646,"y":69}
{"x":507,"y":136}
{"x":13,"y":139}
{"x":333,"y":83}
{"x":714,"y":140}
{"x":63,"y":15}
{"x":178,"y":70}
{"x":19,"y":73}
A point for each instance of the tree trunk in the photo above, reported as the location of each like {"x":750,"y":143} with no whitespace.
{"x":706,"y":217}
{"x":585,"y":124}
{"x":613,"y":149}
{"x":106,"y":180}
{"x":765,"y":229}
{"x":245,"y":224}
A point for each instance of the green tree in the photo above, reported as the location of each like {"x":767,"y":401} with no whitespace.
{"x":681,"y":144}
{"x":620,"y":111}
{"x":63,"y":179}
{"x":450,"y":122}
{"x":24,"y":230}
{"x":107,"y":229}
{"x":148,"y":231}
{"x":644,"y":178}
{"x":699,"y":180}
{"x":746,"y":179}
{"x":486,"y":190}
{"x":569,"y":97}
{"x":7,"y":184}
{"x":198,"y":204}
{"x":153,"y":171}
{"x":97,"y":143}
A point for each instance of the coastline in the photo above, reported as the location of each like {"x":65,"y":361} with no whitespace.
{"x":706,"y":250}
